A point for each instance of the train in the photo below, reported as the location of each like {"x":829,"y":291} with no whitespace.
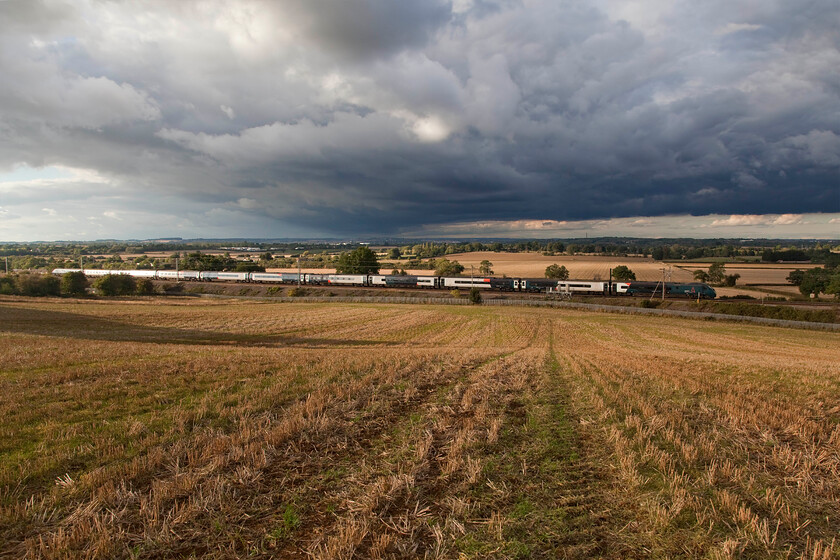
{"x":694,"y":290}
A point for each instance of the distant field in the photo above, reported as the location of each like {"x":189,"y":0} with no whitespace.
{"x":533,"y":265}
{"x":228,"y":429}
{"x":587,"y":267}
{"x":755,"y":274}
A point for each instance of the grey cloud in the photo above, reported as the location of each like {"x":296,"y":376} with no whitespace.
{"x":380,"y":116}
{"x":365,"y":28}
{"x":27,"y":16}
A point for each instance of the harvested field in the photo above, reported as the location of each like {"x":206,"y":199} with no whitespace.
{"x":533,"y":265}
{"x":167,"y":429}
{"x":731,"y":292}
{"x":789,"y":290}
{"x":754,"y":274}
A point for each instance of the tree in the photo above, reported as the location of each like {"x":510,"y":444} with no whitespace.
{"x":717,"y":272}
{"x":115,"y":285}
{"x":814,"y":281}
{"x":475,"y":296}
{"x":394,"y":254}
{"x":558,"y":272}
{"x":445,"y":267}
{"x":358,"y":261}
{"x":622,"y":273}
{"x":834,"y":286}
{"x":266,"y":257}
{"x":730,"y":279}
{"x":485,"y":268}
{"x":74,"y":284}
{"x":796,"y":277}
{"x":701,"y":275}
{"x":199,"y":261}
{"x":784,"y":255}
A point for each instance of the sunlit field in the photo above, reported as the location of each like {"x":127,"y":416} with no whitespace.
{"x":167,"y":428}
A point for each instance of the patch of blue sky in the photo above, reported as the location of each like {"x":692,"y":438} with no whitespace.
{"x":24,"y":173}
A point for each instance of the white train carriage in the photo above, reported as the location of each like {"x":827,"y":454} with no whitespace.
{"x":348,"y":279}
{"x":96,"y":272}
{"x":142,"y":273}
{"x":232,"y":276}
{"x":428,"y":282}
{"x":177,"y":275}
{"x":620,"y":287}
{"x":583,"y":287}
{"x":460,"y":282}
{"x":63,"y":271}
{"x":276,"y":277}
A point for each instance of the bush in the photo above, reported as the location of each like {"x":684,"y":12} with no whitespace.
{"x":776,"y":312}
{"x":145,"y":287}
{"x":38,"y":285}
{"x":176,"y":288}
{"x":297,"y":291}
{"x":7,"y":286}
{"x":475,"y":296}
{"x":115,"y":285}
{"x":247,"y":266}
{"x":649,"y":303}
{"x":74,"y":284}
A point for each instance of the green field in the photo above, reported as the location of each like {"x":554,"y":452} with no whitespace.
{"x":176,"y":428}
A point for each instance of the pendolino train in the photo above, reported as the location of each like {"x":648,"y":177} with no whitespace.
{"x":693,"y":290}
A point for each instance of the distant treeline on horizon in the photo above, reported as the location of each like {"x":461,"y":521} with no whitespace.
{"x":28,"y":256}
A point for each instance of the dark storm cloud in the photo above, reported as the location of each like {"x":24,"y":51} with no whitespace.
{"x":363,"y":28}
{"x":340,"y":116}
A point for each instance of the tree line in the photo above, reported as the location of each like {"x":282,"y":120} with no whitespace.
{"x":817,"y":280}
{"x":73,"y":284}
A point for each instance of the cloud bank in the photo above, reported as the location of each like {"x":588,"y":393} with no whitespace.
{"x":366,"y":117}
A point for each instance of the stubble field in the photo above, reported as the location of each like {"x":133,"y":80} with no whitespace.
{"x":582,"y":267}
{"x":161,"y":429}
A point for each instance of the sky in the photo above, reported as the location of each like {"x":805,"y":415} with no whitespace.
{"x":434,"y":118}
